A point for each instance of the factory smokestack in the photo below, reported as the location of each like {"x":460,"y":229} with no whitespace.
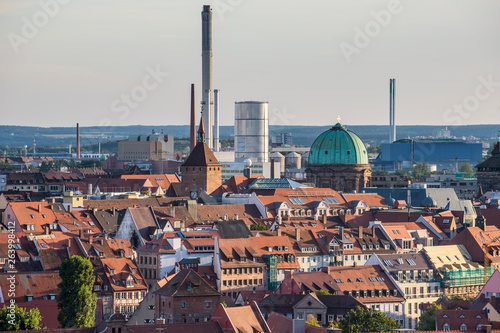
{"x":206,"y":67}
{"x":216,"y":120}
{"x":392,"y":111}
{"x":77,"y":140}
{"x":192,"y":130}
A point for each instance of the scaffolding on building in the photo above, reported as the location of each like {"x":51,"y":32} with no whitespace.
{"x":272,"y":278}
{"x":466,"y":277}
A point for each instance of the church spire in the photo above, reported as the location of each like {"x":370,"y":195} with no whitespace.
{"x":201,"y":131}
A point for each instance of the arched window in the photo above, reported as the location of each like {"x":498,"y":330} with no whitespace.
{"x":446,"y":327}
{"x":463,"y":327}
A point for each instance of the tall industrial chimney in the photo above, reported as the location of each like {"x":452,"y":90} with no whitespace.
{"x":392,"y":116}
{"x":216,"y":120}
{"x":192,"y":130}
{"x":77,"y":140}
{"x":206,"y":67}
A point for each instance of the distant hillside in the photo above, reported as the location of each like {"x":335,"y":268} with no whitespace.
{"x":18,"y":136}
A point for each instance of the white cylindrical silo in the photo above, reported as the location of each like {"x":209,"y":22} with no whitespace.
{"x":292,"y":160}
{"x":251,"y":131}
{"x":278,"y":157}
{"x":305,"y":158}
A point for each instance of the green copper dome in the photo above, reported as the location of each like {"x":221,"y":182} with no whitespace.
{"x":338,"y":146}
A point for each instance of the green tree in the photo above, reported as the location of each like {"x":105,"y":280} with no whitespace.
{"x":311,"y":320}
{"x":421,"y":171}
{"x":20,"y":320}
{"x":403,"y":173}
{"x":362,"y":320}
{"x":460,"y":298}
{"x":77,"y":302}
{"x":322,"y":292}
{"x":258,"y":227}
{"x":427,"y":320}
{"x":465,"y":167}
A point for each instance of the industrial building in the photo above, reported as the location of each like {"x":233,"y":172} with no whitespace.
{"x":251,"y":131}
{"x":445,"y":153}
{"x":155,"y":146}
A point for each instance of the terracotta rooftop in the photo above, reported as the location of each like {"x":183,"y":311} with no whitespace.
{"x":187,"y":283}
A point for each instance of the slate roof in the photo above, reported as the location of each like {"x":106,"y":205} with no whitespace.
{"x":404,"y":261}
{"x":232,"y":229}
{"x":187,"y":283}
{"x":217,"y":212}
{"x":281,"y":303}
{"x":108,"y":220}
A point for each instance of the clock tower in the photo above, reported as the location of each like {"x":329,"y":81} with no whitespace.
{"x":201,"y":171}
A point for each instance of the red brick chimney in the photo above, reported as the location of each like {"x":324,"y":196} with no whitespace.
{"x":297,"y":234}
{"x":360,"y":232}
{"x":324,"y":218}
{"x":39,"y":208}
{"x":278,"y":229}
{"x":47,"y":229}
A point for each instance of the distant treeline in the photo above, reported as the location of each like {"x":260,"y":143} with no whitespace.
{"x":19,"y":136}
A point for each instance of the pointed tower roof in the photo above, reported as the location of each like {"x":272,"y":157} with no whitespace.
{"x":202,"y":154}
{"x":201,"y":131}
{"x":496,"y":150}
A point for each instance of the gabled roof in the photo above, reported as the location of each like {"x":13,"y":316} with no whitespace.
{"x":405,"y":261}
{"x":201,"y":156}
{"x":282,"y":324}
{"x":35,"y":284}
{"x":187,"y":283}
{"x":474,"y":238}
{"x":36,"y":213}
{"x":232,"y":229}
{"x":120,"y":269}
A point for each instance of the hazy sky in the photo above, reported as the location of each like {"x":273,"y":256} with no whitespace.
{"x":68,"y":61}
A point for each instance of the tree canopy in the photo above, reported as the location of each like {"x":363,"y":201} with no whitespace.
{"x":421,"y":171}
{"x":465,"y":167}
{"x":363,"y":320}
{"x":20,"y":319}
{"x":77,"y":302}
{"x":311,"y":320}
{"x":427,"y":320}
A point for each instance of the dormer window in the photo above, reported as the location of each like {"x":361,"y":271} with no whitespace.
{"x":286,"y":248}
{"x":270,"y":249}
{"x":280,"y":248}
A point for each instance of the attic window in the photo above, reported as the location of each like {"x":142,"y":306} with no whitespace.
{"x":44,"y":216}
{"x":32,"y":216}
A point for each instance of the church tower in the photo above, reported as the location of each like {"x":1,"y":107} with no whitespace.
{"x":201,"y":171}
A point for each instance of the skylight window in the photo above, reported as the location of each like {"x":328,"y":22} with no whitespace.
{"x":331,"y":200}
{"x":388,"y":263}
{"x":372,"y":279}
{"x":411,"y":262}
{"x":297,"y":201}
{"x":360,"y":280}
{"x":44,"y":245}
